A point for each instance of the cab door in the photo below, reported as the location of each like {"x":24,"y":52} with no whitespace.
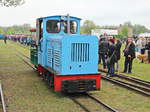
{"x":39,"y":42}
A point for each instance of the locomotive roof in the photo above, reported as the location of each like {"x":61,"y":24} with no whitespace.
{"x":59,"y":16}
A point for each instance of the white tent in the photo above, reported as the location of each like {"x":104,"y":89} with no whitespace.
{"x":108,"y":32}
{"x":144,"y":35}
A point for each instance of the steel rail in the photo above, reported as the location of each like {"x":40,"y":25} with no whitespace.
{"x":102,"y":103}
{"x":98,"y":101}
{"x":72,"y":98}
{"x":29,"y":64}
{"x":141,"y":82}
{"x":123,"y":84}
{"x":142,"y":88}
{"x":132,"y":79}
{"x":2,"y":98}
{"x":20,"y":52}
{"x":23,"y":54}
{"x":20,"y":45}
{"x":78,"y":103}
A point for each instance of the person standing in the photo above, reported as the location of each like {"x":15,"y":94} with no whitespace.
{"x":5,"y":39}
{"x":143,"y":43}
{"x":118,"y":50}
{"x":111,"y":59}
{"x":129,"y":53}
{"x":103,"y":49}
{"x":148,"y":48}
{"x":99,"y":51}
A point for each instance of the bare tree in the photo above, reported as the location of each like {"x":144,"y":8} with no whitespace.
{"x":11,"y":3}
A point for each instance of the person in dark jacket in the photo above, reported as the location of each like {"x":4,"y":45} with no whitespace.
{"x":99,"y":51}
{"x":111,"y":60}
{"x":103,"y":49}
{"x":5,"y":39}
{"x":129,"y":53}
{"x":118,"y":50}
{"x":148,"y":48}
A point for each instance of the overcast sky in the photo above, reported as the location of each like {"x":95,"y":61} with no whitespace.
{"x":102,"y":12}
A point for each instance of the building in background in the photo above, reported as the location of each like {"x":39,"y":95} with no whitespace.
{"x":147,"y":35}
{"x":105,"y":32}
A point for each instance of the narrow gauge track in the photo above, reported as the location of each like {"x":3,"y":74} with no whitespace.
{"x":133,"y":79}
{"x":2,"y":99}
{"x":139,"y":89}
{"x":136,"y":80}
{"x":23,"y":54}
{"x":25,"y":47}
{"x":28,"y":63}
{"x":139,"y":86}
{"x":97,"y":101}
{"x":20,"y":45}
{"x":19,"y":52}
{"x":73,"y":98}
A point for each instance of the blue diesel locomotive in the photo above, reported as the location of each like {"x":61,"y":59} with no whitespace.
{"x":67,"y":60}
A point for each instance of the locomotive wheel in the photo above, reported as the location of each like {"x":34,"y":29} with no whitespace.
{"x":44,"y":75}
{"x":50,"y":81}
{"x":39,"y":74}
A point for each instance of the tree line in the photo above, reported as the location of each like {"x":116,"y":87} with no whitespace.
{"x":25,"y":28}
{"x":88,"y":25}
{"x":123,"y":29}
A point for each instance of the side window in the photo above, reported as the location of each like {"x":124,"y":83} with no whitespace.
{"x":73,"y":27}
{"x":53,"y":26}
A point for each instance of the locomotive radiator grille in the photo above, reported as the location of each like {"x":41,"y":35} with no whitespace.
{"x":49,"y":56}
{"x":57,"y":58}
{"x":80,"y":52}
{"x":54,"y":55}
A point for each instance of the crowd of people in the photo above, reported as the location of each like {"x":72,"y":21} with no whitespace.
{"x":22,"y":39}
{"x":142,"y":44}
{"x":110,"y":53}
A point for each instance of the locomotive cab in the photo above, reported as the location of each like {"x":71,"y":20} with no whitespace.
{"x":57,"y":25}
{"x":64,"y":57}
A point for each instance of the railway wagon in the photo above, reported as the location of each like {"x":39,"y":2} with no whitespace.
{"x":1,"y":36}
{"x":67,"y":60}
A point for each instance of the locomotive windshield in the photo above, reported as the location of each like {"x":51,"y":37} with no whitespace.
{"x":54,"y":26}
{"x":73,"y":27}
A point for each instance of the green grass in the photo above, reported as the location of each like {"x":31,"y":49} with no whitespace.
{"x":121,"y":98}
{"x":26,"y":92}
{"x":140,"y":70}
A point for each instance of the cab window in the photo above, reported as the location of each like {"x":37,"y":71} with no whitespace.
{"x":73,"y":27}
{"x":53,"y":26}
